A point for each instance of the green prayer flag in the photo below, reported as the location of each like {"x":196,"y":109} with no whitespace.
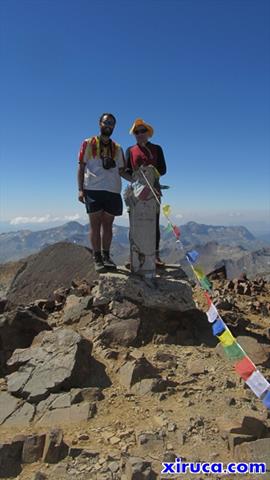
{"x":169,"y":228}
{"x":234,"y":352}
{"x":205,"y":284}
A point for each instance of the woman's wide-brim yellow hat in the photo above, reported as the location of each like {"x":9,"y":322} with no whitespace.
{"x":139,"y":122}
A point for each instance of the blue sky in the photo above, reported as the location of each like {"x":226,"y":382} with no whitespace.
{"x":197,"y":70}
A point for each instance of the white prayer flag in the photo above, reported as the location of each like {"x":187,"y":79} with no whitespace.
{"x":257,"y":383}
{"x":212,"y":314}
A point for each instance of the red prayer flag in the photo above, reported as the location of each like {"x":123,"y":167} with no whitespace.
{"x":176,"y":231}
{"x":208,"y":298}
{"x":245,"y":368}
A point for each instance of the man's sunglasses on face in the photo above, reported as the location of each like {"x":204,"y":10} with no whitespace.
{"x":142,"y":130}
{"x":108,"y":123}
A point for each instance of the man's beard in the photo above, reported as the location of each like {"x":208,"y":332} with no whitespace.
{"x":106,"y":131}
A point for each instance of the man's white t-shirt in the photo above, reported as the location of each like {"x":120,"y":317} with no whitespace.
{"x":98,"y":178}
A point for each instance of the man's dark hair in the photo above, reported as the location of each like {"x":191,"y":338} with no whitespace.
{"x":108,"y":115}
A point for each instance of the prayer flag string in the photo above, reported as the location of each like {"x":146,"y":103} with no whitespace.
{"x":234,"y":352}
{"x":243,"y":365}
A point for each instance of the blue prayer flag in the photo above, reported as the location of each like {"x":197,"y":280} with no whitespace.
{"x":218,"y":327}
{"x":192,"y":256}
{"x":266,"y":400}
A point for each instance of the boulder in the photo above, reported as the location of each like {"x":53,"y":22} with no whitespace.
{"x":122,"y":332}
{"x":19,"y":327}
{"x":259,"y":353}
{"x":10,"y":458}
{"x":33,"y":448}
{"x":55,"y":448}
{"x":56,"y":361}
{"x":244,"y":424}
{"x":258,"y":451}
{"x":134,"y":371}
{"x":56,"y":266}
{"x":139,"y":469}
{"x":75,"y":308}
{"x":163,"y":293}
{"x":124,"y":309}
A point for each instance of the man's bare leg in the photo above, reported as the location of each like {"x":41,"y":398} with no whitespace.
{"x":107,"y":224}
{"x":95,"y":238}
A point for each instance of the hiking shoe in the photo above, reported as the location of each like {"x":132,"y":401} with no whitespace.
{"x":107,"y":262}
{"x":98,"y":264}
{"x":160,"y":263}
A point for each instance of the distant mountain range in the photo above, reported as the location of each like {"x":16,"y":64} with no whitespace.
{"x":215,"y":243}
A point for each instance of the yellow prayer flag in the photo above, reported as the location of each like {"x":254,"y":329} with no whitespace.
{"x":199,"y":272}
{"x":226,"y":338}
{"x":166,"y":210}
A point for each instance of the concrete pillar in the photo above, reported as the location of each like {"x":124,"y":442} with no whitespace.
{"x":143,"y":208}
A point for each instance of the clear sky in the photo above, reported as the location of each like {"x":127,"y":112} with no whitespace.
{"x":197,"y":70}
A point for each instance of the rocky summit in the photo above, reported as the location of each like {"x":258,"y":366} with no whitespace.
{"x":105,"y":378}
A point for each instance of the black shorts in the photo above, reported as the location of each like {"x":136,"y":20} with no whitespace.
{"x":101,"y":200}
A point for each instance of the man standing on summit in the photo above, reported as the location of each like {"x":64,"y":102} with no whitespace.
{"x":101,"y":162}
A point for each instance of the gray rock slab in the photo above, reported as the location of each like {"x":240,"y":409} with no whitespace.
{"x":22,"y":416}
{"x":76,"y":414}
{"x":165,"y":294}
{"x":122,"y":332}
{"x":57,"y":360}
{"x":75,"y":308}
{"x":8,"y":405}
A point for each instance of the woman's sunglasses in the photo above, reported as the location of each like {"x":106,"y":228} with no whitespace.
{"x":142,"y":130}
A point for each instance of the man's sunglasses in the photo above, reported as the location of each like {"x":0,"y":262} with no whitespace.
{"x":108,"y":123}
{"x":142,"y":130}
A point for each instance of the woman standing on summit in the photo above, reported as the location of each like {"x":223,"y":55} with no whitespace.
{"x":146,"y":153}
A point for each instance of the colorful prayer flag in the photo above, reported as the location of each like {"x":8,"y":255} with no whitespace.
{"x":205,"y":284}
{"x":176,"y":231}
{"x":245,"y":368}
{"x":218,"y":327}
{"x":234,"y":352}
{"x":226,"y":338}
{"x":169,"y":228}
{"x":266,"y":400}
{"x":208,"y":298}
{"x":212,"y":314}
{"x":166,"y":210}
{"x":258,"y":383}
{"x":199,"y":272}
{"x":192,"y":256}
